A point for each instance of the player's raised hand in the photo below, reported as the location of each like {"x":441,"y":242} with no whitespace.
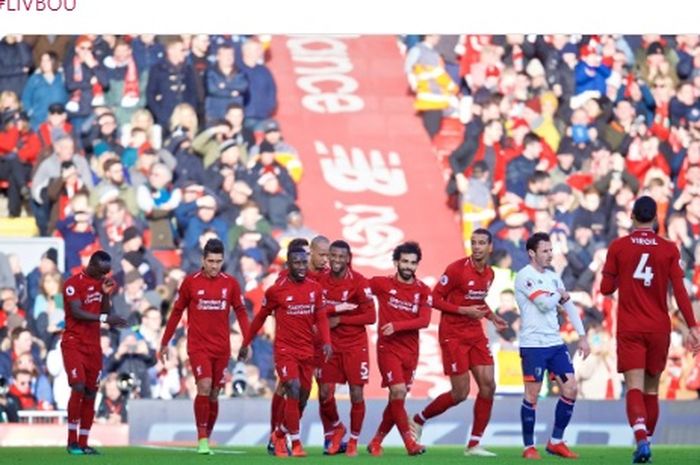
{"x":344,"y":307}
{"x":583,"y":347}
{"x":327,"y":352}
{"x":163,"y":354}
{"x":243,"y":354}
{"x":108,"y":286}
{"x":116,"y":321}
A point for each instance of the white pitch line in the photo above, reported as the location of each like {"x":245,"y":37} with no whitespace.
{"x":193,"y":450}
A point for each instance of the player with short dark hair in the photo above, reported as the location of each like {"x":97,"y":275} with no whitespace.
{"x":641,"y":265}
{"x":352,"y":308}
{"x":540,"y":293}
{"x":405,"y":304}
{"x":208,"y":296}
{"x":297,"y":303}
{"x":87,"y":303}
{"x":460,"y":296}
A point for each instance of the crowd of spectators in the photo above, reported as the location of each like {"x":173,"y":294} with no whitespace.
{"x":145,"y":147}
{"x":560,"y":134}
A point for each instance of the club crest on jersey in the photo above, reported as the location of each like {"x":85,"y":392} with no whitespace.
{"x":224,"y":293}
{"x":416,"y":298}
{"x":368,"y":292}
{"x":444,"y":280}
{"x":470,"y":283}
{"x":392,"y":291}
{"x":344,"y":298}
{"x":200,"y":292}
{"x":312,"y":295}
{"x":289,"y":298}
{"x":91,"y":288}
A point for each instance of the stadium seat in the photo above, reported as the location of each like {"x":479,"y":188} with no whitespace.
{"x":18,"y":227}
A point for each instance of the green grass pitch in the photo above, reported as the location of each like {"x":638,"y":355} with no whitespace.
{"x":437,"y":455}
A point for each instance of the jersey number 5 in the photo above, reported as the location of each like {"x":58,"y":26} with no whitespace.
{"x":643,"y":272}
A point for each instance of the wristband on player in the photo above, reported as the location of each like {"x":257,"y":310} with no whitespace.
{"x":103,"y":317}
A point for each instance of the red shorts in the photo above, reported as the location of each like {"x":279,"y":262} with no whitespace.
{"x":459,"y":355}
{"x":347,"y":367}
{"x":208,"y":366}
{"x":82,"y":368}
{"x":396,"y":368}
{"x":642,"y":350}
{"x":289,"y":366}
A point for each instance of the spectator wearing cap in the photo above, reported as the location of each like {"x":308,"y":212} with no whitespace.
{"x":208,"y":143}
{"x":273,"y":200}
{"x":114,"y":180}
{"x":267,"y":163}
{"x":86,"y":80}
{"x":521,"y":168}
{"x":127,"y":82}
{"x":54,"y":126}
{"x":15,"y":62}
{"x":565,"y":163}
{"x":434,"y":88}
{"x":50,"y":168}
{"x":262,"y":98}
{"x":285,"y":154}
{"x":205,"y":218}
{"x":19,"y":151}
{"x":226,"y":84}
{"x":658,"y":62}
{"x":44,"y":88}
{"x":157,"y":200}
{"x":170,"y":82}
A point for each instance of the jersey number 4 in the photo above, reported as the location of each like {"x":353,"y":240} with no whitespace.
{"x":644,"y":272}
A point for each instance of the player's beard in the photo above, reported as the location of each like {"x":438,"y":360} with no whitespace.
{"x":407,"y":275}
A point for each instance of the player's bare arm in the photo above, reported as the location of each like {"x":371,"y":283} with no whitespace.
{"x":80,"y":314}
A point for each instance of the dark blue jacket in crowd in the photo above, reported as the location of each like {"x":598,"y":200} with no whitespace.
{"x":83,"y":85}
{"x":168,"y":86}
{"x":262,"y":92}
{"x":146,"y":56}
{"x":75,"y":242}
{"x":15,"y":61}
{"x":223,"y":91}
{"x":517,"y":174}
{"x":196,"y":227}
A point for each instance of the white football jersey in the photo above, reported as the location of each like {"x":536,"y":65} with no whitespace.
{"x":537,"y":295}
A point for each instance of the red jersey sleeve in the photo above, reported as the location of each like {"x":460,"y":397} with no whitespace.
{"x":447,"y":282}
{"x":268,"y":306}
{"x":423,"y":319}
{"x":679,"y":291}
{"x":366,"y":314}
{"x":181,"y":303}
{"x":608,"y":284}
{"x":238,"y":304}
{"x":321,"y":318}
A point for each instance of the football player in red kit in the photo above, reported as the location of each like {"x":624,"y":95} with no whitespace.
{"x":208,"y":296}
{"x":297,"y":303}
{"x":87,"y":303}
{"x":349,"y":292}
{"x":405,"y":304}
{"x":460,"y":297}
{"x":641,"y":265}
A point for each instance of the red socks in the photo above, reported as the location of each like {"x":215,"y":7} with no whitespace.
{"x":201,"y":415}
{"x":74,"y":413}
{"x":398,"y":411}
{"x":651,"y":402}
{"x":328,"y":411}
{"x":213,"y":415}
{"x":276,"y":411}
{"x":636,"y":414}
{"x":291,"y":416}
{"x":482,"y":415}
{"x":357,"y":416}
{"x":387,"y":422}
{"x":87,"y":415}
{"x":435,"y":408}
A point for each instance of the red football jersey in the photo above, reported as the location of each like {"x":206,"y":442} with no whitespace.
{"x":350,"y":334}
{"x":461,"y":285}
{"x":208,"y":302}
{"x":297,"y":307}
{"x":81,"y":334}
{"x":640,"y":265}
{"x":407,"y":306}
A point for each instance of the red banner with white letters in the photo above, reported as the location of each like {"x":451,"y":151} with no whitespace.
{"x":370,"y":176}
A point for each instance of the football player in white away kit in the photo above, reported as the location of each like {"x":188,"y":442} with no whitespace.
{"x":540,"y":292}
